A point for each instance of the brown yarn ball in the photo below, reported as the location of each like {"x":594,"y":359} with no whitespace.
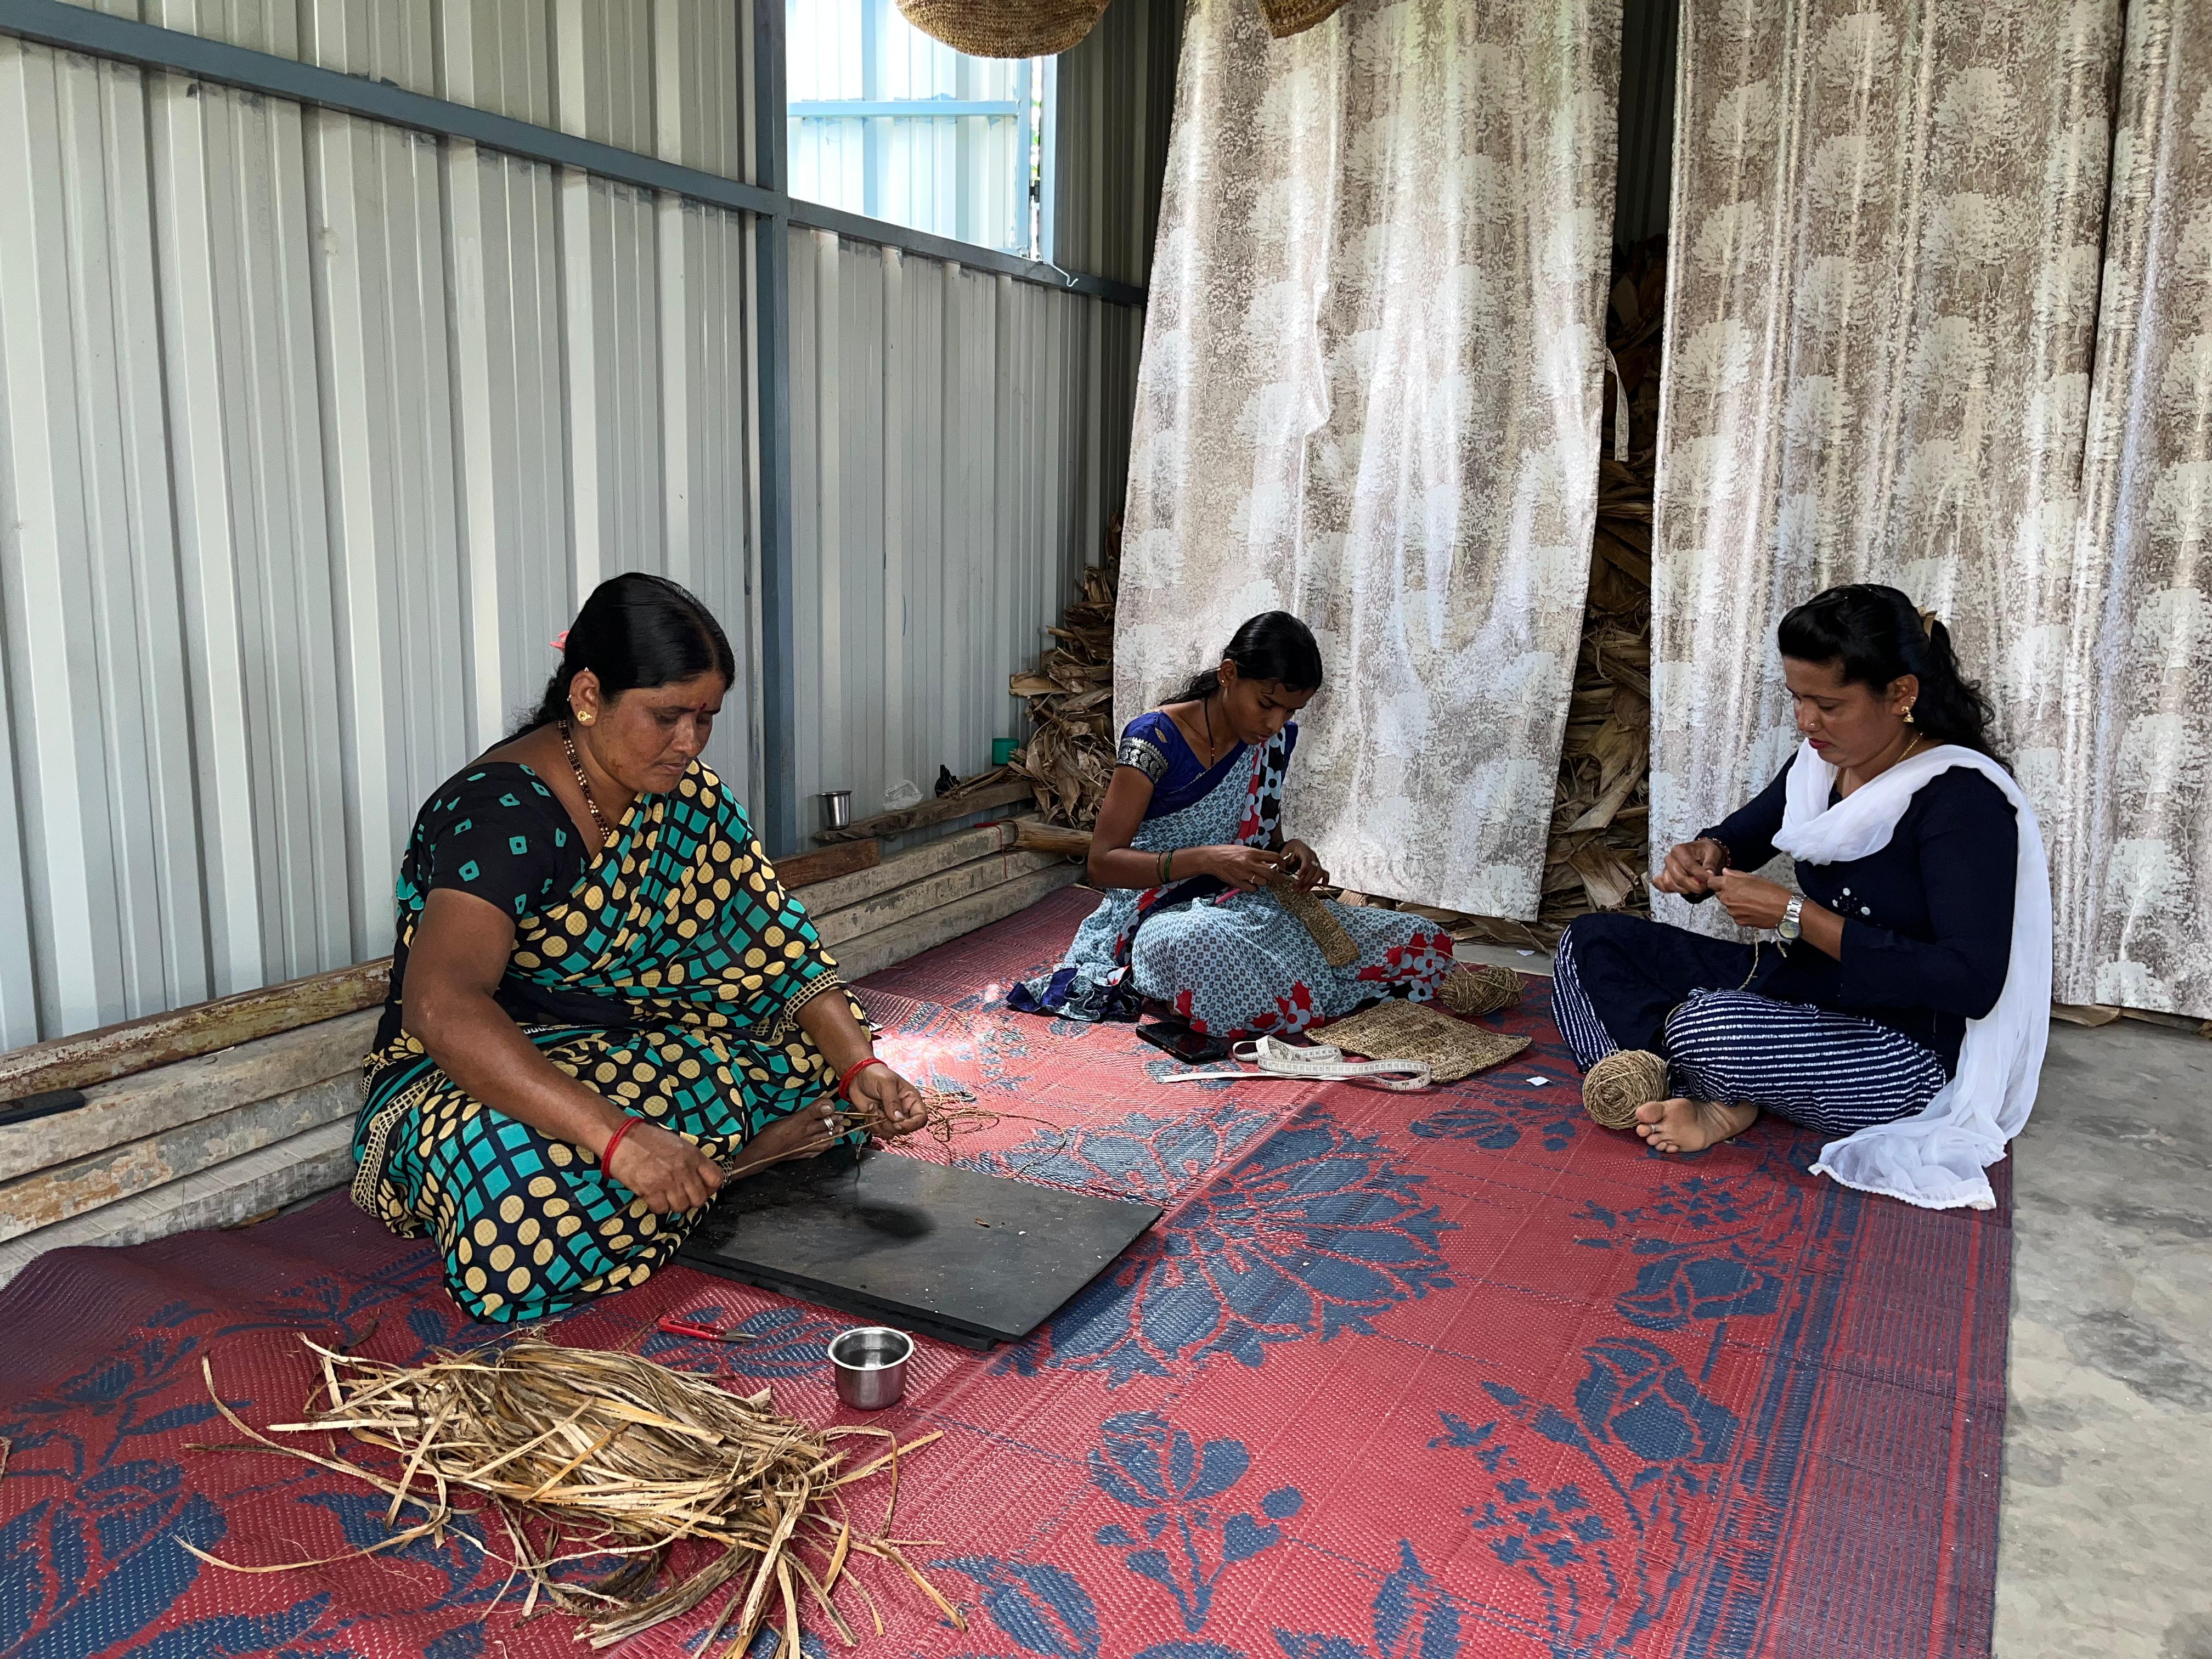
{"x":1472,"y":992}
{"x":1614,"y":1087}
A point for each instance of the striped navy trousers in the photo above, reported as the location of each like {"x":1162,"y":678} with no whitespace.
{"x":1835,"y":1073}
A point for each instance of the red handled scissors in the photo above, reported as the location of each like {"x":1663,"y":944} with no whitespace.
{"x":673,"y":1326}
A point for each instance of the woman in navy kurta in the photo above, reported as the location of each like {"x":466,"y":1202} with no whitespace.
{"x":1858,"y":1018}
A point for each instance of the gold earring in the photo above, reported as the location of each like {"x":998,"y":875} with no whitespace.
{"x":1908,"y":714}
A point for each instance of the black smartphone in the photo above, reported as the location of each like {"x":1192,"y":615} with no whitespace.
{"x":1192,"y":1048}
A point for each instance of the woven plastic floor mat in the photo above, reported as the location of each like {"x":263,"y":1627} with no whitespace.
{"x":1443,"y":1376}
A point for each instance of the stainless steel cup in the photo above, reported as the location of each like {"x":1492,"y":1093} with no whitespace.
{"x":836,"y":808}
{"x":870,"y":1362}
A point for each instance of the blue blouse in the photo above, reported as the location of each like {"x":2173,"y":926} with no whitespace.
{"x":1156,"y":746}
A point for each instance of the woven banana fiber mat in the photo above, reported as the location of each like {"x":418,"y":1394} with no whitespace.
{"x":1454,"y":1374}
{"x":1452,"y":1048}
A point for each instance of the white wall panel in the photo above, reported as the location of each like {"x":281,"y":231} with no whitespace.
{"x":507,"y":331}
{"x":959,"y":443}
{"x":658,"y":76}
{"x":498,"y":55}
{"x":99,"y":846}
{"x":245,"y":446}
{"x":1113,"y":102}
{"x":312,"y":433}
{"x":385,"y":351}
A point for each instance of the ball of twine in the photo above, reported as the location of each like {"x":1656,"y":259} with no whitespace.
{"x":1471,"y":992}
{"x":1614,"y":1087}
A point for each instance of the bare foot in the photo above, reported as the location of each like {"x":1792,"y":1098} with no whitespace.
{"x":1690,"y":1125}
{"x":813,"y":1128}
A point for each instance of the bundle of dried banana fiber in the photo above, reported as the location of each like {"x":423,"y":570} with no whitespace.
{"x":1070,"y":754}
{"x":616,"y":1489}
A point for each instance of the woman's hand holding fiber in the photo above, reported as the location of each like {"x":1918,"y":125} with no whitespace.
{"x":891,"y":1105}
{"x":1303,"y":866}
{"x":665,"y":1169}
{"x":1692,"y":868}
{"x":1750,"y":901}
{"x":1250,"y":868}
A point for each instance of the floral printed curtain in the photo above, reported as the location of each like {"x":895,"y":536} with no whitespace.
{"x":1370,"y":395}
{"x":1880,"y":332}
{"x":1943,"y":317}
{"x":2134,"y":887}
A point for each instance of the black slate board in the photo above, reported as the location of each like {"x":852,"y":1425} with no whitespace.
{"x":895,"y":1240}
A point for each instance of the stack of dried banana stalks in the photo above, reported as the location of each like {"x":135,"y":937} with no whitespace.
{"x":628,"y":1494}
{"x":1070,"y":754}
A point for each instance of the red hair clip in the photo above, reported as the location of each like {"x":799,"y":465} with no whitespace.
{"x":559,"y":641}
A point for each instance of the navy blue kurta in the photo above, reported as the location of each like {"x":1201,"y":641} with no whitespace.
{"x":1927,"y":926}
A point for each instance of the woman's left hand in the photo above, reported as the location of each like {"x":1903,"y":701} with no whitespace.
{"x":891,"y":1105}
{"x":1750,"y":901}
{"x":1303,"y":867}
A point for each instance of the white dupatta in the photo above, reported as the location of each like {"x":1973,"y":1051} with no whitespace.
{"x":1935,"y":1158}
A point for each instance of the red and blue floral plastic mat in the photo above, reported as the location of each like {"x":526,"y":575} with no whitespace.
{"x":1443,"y":1375}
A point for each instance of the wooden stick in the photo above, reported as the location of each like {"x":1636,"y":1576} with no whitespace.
{"x":138,"y":1045}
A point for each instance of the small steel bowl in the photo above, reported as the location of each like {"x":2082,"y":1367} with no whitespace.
{"x":870,"y":1361}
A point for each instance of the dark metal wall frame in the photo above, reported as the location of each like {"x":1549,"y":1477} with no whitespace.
{"x":80,"y":29}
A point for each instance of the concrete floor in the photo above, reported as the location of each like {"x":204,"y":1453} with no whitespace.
{"x":2104,"y":1535}
{"x":2105,"y":1541}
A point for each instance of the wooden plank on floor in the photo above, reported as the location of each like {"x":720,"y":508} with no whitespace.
{"x":112,"y":1051}
{"x":933,"y":893}
{"x":51,"y":1195}
{"x":311,"y":1163}
{"x":943,"y":810}
{"x":823,"y":864}
{"x":902,"y":869}
{"x":166,"y":1098}
{"x":870,"y":953}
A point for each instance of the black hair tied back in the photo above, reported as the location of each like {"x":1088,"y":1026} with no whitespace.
{"x":1878,"y":636}
{"x":636,"y":630}
{"x":1272,"y":645}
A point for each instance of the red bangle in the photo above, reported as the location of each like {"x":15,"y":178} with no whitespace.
{"x":859,"y":1066}
{"x":607,"y":1152}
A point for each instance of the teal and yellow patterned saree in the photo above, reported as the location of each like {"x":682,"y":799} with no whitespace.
{"x":669,"y":977}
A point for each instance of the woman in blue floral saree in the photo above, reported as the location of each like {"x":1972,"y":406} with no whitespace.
{"x":602,"y":1002}
{"x":1189,"y":847}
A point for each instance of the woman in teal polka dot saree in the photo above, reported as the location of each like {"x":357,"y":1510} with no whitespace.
{"x":602,"y":1002}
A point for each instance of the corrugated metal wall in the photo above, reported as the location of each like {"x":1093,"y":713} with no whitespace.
{"x":959,"y":441}
{"x":313,"y":431}
{"x":1649,"y":64}
{"x":1113,"y":104}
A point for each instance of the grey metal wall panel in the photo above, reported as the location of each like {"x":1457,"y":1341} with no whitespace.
{"x":1112,"y":107}
{"x":959,"y":442}
{"x":312,"y":433}
{"x":1649,"y":61}
{"x":658,"y":76}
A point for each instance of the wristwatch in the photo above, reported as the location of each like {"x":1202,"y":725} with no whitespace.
{"x":1791,"y":928}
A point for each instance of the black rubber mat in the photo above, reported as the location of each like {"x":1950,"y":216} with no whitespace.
{"x":966,"y":1258}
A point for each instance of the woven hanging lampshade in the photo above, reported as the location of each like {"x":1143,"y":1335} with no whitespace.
{"x":1289,"y":17}
{"x":1004,"y":28}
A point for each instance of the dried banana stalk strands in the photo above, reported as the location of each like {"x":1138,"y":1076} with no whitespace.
{"x":1070,"y":754}
{"x":586,"y":1456}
